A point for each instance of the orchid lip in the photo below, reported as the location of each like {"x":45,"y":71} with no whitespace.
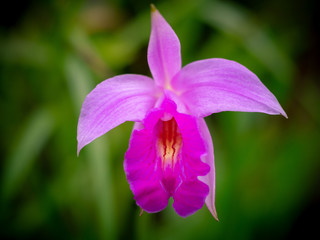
{"x":164,"y":158}
{"x":169,"y":146}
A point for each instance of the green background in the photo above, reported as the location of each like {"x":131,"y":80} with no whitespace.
{"x":53,"y":53}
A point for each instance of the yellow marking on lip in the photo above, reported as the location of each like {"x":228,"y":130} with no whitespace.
{"x":169,"y":142}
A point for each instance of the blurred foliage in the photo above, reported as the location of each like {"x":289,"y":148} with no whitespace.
{"x":53,"y":53}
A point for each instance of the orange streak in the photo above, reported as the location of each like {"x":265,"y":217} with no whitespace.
{"x":169,"y":143}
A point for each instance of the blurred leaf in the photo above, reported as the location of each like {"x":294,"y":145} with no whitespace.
{"x":29,"y":52}
{"x":79,"y":80}
{"x":83,"y":45}
{"x":236,"y":22}
{"x":121,"y":48}
{"x":20,"y":161}
{"x":80,"y":84}
{"x":99,"y":160}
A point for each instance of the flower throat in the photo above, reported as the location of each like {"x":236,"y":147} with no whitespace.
{"x":169,"y":142}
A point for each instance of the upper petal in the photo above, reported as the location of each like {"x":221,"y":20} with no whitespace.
{"x":164,"y":55}
{"x":116,"y":100}
{"x":215,"y":85}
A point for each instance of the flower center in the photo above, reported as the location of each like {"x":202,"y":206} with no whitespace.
{"x":169,"y":143}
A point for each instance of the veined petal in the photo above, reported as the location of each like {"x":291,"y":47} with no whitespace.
{"x":189,"y":197}
{"x":164,"y":55}
{"x":164,"y":160}
{"x":116,"y":100}
{"x":142,"y":168}
{"x":209,"y":179}
{"x":215,"y":85}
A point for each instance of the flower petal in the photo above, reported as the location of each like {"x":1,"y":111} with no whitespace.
{"x":141,"y":167}
{"x":190,"y":197}
{"x":164,"y":160}
{"x":215,"y":85}
{"x":114,"y":101}
{"x":164,"y":55}
{"x":209,"y":179}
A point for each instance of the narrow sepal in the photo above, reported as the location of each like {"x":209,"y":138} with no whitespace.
{"x":164,"y":55}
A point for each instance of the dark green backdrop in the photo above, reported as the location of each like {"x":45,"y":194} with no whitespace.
{"x":53,"y":53}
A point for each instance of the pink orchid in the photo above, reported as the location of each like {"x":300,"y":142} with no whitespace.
{"x":171,"y":152}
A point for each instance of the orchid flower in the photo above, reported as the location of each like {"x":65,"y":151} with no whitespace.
{"x":170,"y":151}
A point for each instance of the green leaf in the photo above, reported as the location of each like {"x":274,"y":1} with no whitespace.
{"x":20,"y":162}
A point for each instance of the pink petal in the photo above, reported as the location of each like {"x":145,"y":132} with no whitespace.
{"x":142,"y":170}
{"x":159,"y":165}
{"x":164,"y":55}
{"x":215,"y":85}
{"x":114,"y":101}
{"x":189,"y":197}
{"x":209,"y":179}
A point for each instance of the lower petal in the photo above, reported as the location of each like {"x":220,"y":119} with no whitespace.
{"x":209,"y":179}
{"x":142,"y":173}
{"x":150,"y":196}
{"x":190,"y":197}
{"x":164,"y":160}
